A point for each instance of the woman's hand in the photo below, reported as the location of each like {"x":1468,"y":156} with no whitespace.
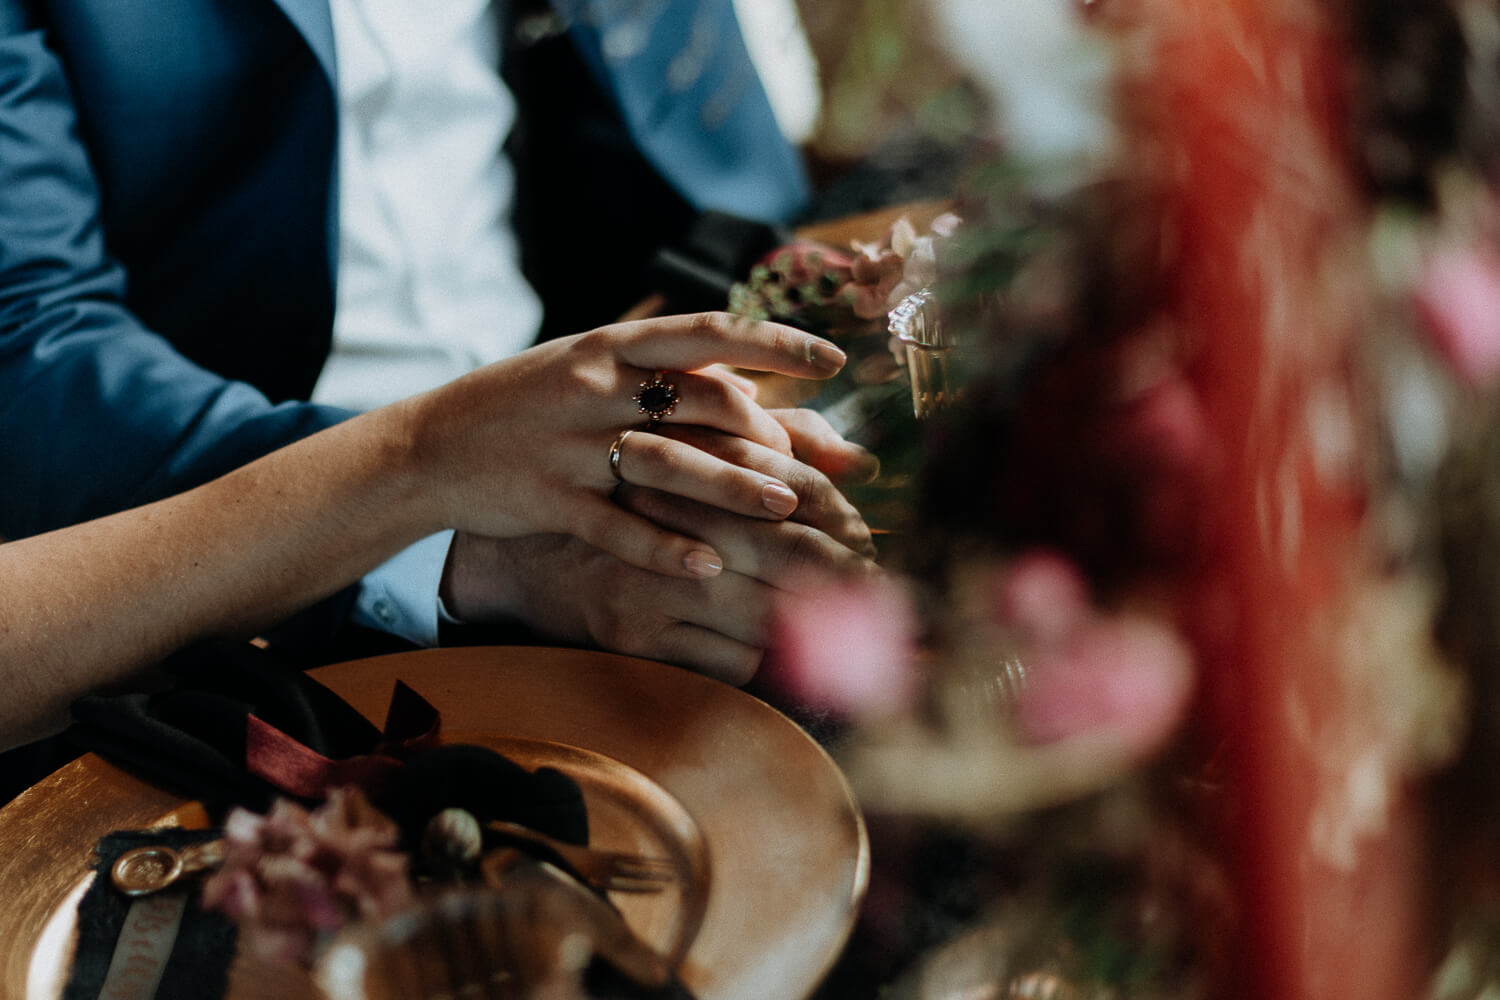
{"x":523,"y":446}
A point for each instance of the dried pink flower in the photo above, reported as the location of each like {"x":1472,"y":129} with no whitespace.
{"x":874,"y":273}
{"x":904,"y":262}
{"x":293,"y":877}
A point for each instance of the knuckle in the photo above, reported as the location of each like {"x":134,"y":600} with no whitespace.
{"x":820,"y":502}
{"x":749,"y":487}
{"x":797,"y":424}
{"x":720,"y":395}
{"x":812,"y":423}
{"x":720,"y":398}
{"x":805,"y":549}
{"x":572,"y":386}
{"x":729,"y":481}
{"x":720,"y":326}
{"x":810,"y":485}
{"x":589,"y":343}
{"x":853,"y":531}
{"x":785,"y":341}
{"x":860,"y":535}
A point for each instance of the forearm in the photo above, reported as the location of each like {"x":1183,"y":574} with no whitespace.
{"x":94,"y":604}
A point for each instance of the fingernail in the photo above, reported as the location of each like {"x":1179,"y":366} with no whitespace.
{"x":703,"y":564}
{"x":824,"y":356}
{"x":778,"y":499}
{"x":866,"y":467}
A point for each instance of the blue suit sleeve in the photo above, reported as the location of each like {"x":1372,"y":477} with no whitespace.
{"x":97,"y":412}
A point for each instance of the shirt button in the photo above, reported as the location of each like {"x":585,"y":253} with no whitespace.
{"x":385,"y":612}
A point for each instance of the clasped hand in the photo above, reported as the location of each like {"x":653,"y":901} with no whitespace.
{"x":521,"y":447}
{"x":572,"y":592}
{"x":681,"y":558}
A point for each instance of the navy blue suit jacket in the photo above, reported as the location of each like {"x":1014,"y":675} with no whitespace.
{"x":167,"y":230}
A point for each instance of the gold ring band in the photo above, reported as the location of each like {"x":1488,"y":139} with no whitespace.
{"x":614,"y":453}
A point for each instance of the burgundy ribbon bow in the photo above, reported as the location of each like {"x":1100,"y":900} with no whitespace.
{"x":411,"y":724}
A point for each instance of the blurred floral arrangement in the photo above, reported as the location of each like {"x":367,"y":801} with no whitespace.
{"x":831,"y":290}
{"x":294,"y":878}
{"x":1199,"y":645}
{"x":847,"y":294}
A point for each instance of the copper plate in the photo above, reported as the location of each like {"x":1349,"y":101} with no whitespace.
{"x":669,"y":761}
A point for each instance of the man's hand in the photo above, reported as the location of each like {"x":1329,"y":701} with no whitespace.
{"x":574,"y":593}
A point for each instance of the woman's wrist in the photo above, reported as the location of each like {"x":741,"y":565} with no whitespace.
{"x":408,"y":488}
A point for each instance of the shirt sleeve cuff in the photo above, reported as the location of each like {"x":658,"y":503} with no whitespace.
{"x":401,"y":595}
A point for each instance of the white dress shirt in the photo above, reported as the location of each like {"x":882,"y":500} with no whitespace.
{"x":429,"y":280}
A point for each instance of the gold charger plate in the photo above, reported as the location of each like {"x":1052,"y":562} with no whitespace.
{"x":668,"y":760}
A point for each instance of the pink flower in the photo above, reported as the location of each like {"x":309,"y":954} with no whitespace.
{"x":848,"y":647}
{"x":1044,"y":594}
{"x":1129,"y":676}
{"x":292,"y":877}
{"x":875,"y":272}
{"x":1086,"y":670}
{"x":1458,"y":299}
{"x":904,"y":262}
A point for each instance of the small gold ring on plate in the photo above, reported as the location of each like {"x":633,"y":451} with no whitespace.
{"x":657,"y":397}
{"x":614,"y":453}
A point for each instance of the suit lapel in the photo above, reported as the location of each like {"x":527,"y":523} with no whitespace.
{"x":314,"y":22}
{"x":690,"y":97}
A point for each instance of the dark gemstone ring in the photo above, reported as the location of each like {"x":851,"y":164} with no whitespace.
{"x":657,"y":397}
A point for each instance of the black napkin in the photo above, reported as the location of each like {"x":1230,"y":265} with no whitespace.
{"x":125,"y":944}
{"x":488,"y":785}
{"x":192,"y":739}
